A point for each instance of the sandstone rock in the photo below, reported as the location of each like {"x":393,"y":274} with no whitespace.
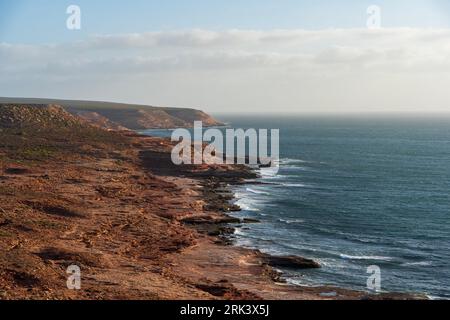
{"x":290,"y":262}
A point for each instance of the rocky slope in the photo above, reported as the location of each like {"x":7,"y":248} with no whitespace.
{"x":39,"y":116}
{"x":98,"y":120}
{"x":120,"y":116}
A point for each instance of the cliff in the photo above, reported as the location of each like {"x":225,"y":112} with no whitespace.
{"x":118,"y":116}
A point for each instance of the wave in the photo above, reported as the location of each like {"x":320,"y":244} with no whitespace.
{"x":345,"y":256}
{"x":295,"y":165}
{"x":238,"y":195}
{"x":257,"y":191}
{"x":291,"y":221}
{"x":348,"y":236}
{"x":295,"y":168}
{"x":251,"y":240}
{"x":437,"y":297}
{"x":291,"y":161}
{"x":247,"y":205}
{"x":293,"y":185}
{"x":268,"y":173}
{"x":421,"y":264}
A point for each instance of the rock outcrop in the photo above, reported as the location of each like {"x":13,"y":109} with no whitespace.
{"x":290,"y":262}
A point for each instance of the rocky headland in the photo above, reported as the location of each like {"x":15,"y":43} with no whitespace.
{"x":139,"y":227}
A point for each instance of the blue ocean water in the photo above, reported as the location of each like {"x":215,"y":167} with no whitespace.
{"x":352,"y":192}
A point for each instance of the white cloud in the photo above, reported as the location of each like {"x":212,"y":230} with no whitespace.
{"x":298,"y":70}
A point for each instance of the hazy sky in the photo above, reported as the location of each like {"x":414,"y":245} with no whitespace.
{"x":226,"y":56}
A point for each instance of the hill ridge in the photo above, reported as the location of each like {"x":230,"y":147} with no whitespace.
{"x":115,"y":116}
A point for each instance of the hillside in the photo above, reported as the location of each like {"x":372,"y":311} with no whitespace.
{"x":17,"y":116}
{"x":121,"y":116}
{"x":41,"y":132}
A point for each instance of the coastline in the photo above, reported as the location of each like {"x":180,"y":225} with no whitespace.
{"x":263,"y":279}
{"x":138,"y":226}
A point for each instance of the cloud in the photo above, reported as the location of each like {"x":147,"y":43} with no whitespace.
{"x":288,"y":64}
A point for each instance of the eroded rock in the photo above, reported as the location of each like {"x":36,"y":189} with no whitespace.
{"x":290,"y":262}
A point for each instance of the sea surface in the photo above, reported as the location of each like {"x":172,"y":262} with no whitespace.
{"x":353,"y":192}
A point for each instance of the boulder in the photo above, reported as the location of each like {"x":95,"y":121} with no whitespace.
{"x":290,"y":262}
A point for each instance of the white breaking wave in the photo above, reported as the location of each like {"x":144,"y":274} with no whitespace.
{"x":291,"y":161}
{"x":248,"y":208}
{"x":345,"y":256}
{"x":257,"y":191}
{"x":422,"y":263}
{"x":294,"y":185}
{"x":288,"y":221}
{"x":271,"y":172}
{"x":436,"y":297}
{"x":246,"y":204}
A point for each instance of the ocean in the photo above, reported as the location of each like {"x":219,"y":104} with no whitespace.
{"x":353,"y":192}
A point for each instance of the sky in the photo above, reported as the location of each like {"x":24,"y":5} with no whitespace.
{"x":232,"y":56}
